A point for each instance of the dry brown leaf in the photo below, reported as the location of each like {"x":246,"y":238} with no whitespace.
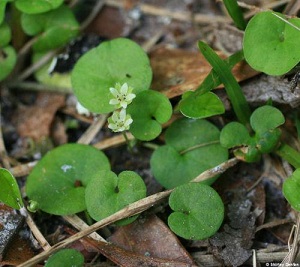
{"x":35,"y":121}
{"x":150,"y":236}
{"x":176,"y":71}
{"x":125,"y":258}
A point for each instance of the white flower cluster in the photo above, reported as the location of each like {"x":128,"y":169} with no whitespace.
{"x":122,"y":97}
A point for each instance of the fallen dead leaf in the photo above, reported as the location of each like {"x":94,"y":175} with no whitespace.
{"x":35,"y":121}
{"x":125,"y":258}
{"x":176,"y":71}
{"x":150,"y":236}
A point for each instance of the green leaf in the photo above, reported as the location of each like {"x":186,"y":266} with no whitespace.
{"x":9,"y":190}
{"x":201,"y":106}
{"x":8,"y":59}
{"x":37,"y":6}
{"x":266,"y":118}
{"x":291,"y":189}
{"x":57,"y":79}
{"x":3,"y":4}
{"x":192,"y":146}
{"x":198,"y":211}
{"x":118,"y":61}
{"x":268,"y":141}
{"x":235,"y":13}
{"x":187,"y":104}
{"x":5,"y":34}
{"x":108,"y":193}
{"x":289,"y":154}
{"x":66,"y":257}
{"x":56,"y":28}
{"x":57,"y":181}
{"x":234,"y":134}
{"x":270,"y":44}
{"x":149,"y":110}
{"x":233,"y":90}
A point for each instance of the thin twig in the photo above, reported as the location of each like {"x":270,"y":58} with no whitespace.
{"x":294,"y":248}
{"x":113,"y":141}
{"x":94,"y":128}
{"x":130,"y":210}
{"x":3,"y":152}
{"x":181,"y":16}
{"x":34,"y":86}
{"x":80,"y":225}
{"x":41,"y":62}
{"x":36,"y":232}
{"x":93,"y":14}
{"x":23,"y":169}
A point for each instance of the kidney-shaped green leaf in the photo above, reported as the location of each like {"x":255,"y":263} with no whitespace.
{"x":198,"y":211}
{"x":57,"y":183}
{"x":149,"y":110}
{"x":5,"y":34}
{"x":270,"y":44}
{"x":234,"y":134}
{"x":37,"y":6}
{"x":266,"y":118}
{"x":9,"y":190}
{"x":66,"y":257}
{"x":108,"y":193}
{"x":3,"y":4}
{"x":8,"y":59}
{"x":192,"y":146}
{"x":118,"y":61}
{"x":56,"y":28}
{"x":291,"y":189}
{"x":199,"y":106}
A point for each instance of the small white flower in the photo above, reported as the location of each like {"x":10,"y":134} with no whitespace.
{"x":122,"y":95}
{"x":119,"y":121}
{"x":82,"y":110}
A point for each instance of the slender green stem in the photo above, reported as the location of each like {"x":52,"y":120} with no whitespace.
{"x":233,"y":89}
{"x":129,"y":143}
{"x":288,"y":153}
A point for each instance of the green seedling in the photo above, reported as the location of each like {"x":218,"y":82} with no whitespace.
{"x":192,"y":146}
{"x":37,"y":6}
{"x":9,"y":190}
{"x":235,"y":13}
{"x":57,"y":183}
{"x":53,"y":29}
{"x":271,"y":45}
{"x":264,"y":122}
{"x":8,"y":56}
{"x":148,"y":111}
{"x":197,"y":216}
{"x":116,"y":76}
{"x":108,"y":193}
{"x":233,"y":89}
{"x":113,"y":62}
{"x":291,"y":189}
{"x":67,"y":258}
{"x":3,"y":4}
{"x":202,"y":103}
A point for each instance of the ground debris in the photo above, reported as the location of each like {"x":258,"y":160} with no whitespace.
{"x":233,"y":244}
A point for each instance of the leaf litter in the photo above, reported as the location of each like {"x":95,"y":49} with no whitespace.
{"x":177,"y":70}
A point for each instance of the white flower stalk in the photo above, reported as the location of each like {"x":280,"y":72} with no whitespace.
{"x":122,"y":95}
{"x":119,"y":121}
